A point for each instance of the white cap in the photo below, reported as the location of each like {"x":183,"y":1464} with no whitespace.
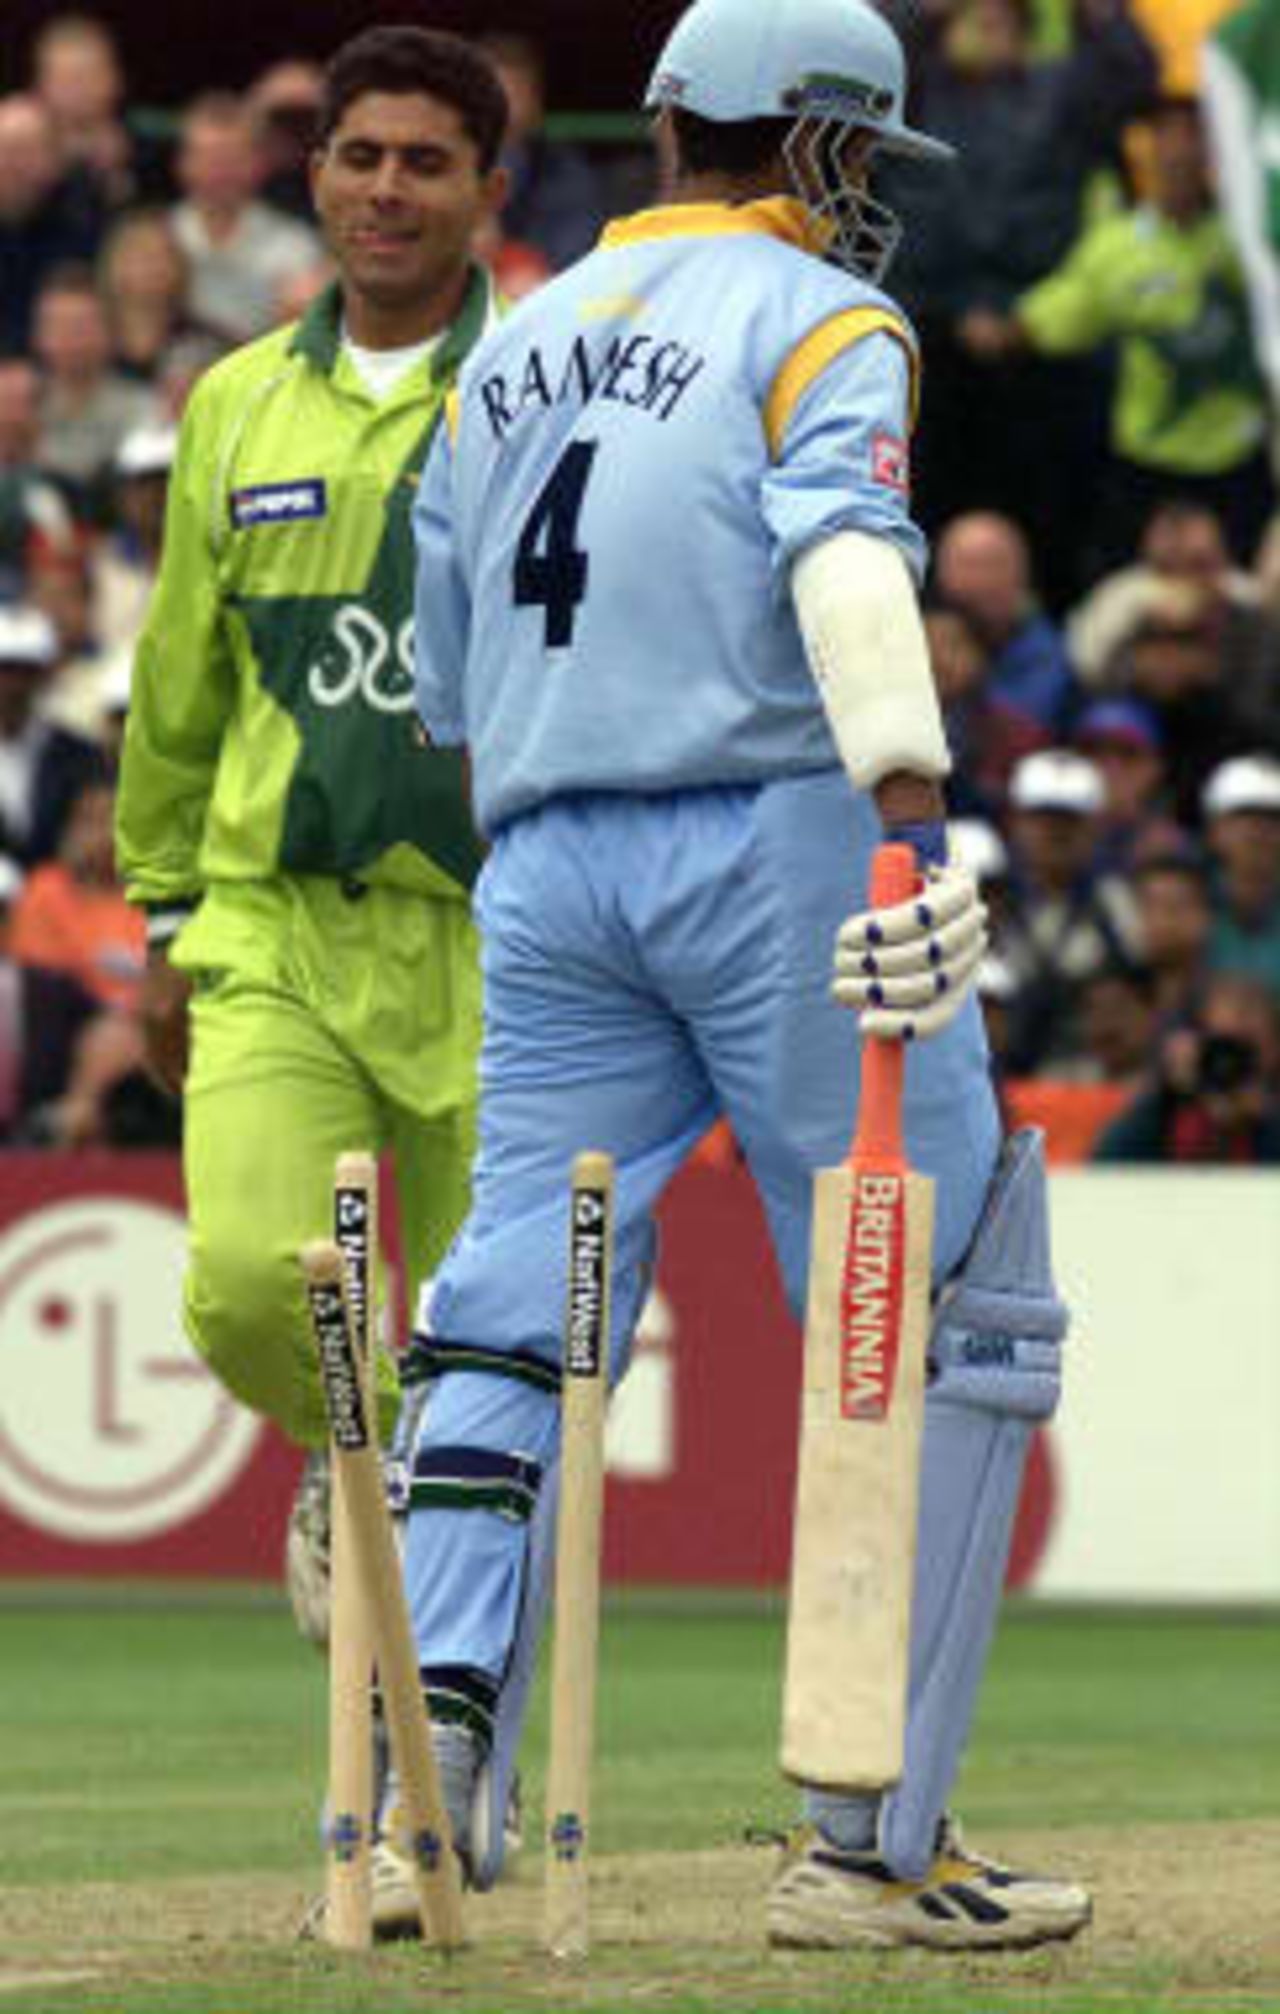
{"x":147,"y":450}
{"x":115,"y":679}
{"x":10,"y":879}
{"x":1057,"y":779}
{"x":26,"y":635}
{"x":1246,"y":783}
{"x":770,"y":59}
{"x":978,"y":848}
{"x":996,"y":979}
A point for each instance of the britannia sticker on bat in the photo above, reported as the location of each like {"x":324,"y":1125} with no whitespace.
{"x":871,"y":1297}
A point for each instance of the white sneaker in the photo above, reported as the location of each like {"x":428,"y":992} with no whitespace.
{"x":826,"y":1900}
{"x":393,"y":1897}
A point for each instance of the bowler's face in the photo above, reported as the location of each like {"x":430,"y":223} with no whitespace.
{"x":400,"y":195}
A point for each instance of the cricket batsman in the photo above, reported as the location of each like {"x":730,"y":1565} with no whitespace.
{"x":667,"y":596}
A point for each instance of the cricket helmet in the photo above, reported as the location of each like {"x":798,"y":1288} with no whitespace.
{"x":831,"y":67}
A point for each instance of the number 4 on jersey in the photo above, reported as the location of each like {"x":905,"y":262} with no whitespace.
{"x":551,"y":570}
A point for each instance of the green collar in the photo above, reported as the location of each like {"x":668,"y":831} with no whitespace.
{"x":318,"y":336}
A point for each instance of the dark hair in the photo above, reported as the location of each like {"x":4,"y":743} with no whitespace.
{"x":406,"y":60}
{"x":1186,"y":865}
{"x":70,"y":276}
{"x":735,"y":147}
{"x":1131,"y":973}
{"x":1175,"y":105}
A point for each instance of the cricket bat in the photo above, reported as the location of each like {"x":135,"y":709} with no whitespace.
{"x":349,"y":1828}
{"x":355,"y":1455}
{"x":584,"y":1392}
{"x":857,"y":1488}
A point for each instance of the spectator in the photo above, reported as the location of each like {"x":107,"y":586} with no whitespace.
{"x":129,"y":559}
{"x":62,"y":589}
{"x":983,"y":566}
{"x":1121,"y":737}
{"x":114,"y":688}
{"x":183,"y":365}
{"x":32,"y":511}
{"x":284,"y":103}
{"x":1212,"y":698}
{"x":556,"y":204}
{"x":239,"y":249}
{"x":1179,"y":541}
{"x":79,"y":81}
{"x":1213,"y":1098}
{"x":518,"y":268}
{"x":998,"y":991}
{"x":985,"y":734}
{"x":1029,"y":135}
{"x":42,"y":1016}
{"x":72,"y":917}
{"x":1176,"y":30}
{"x":48,"y":215}
{"x":1241,"y":84}
{"x":1266,"y":576}
{"x":43,"y":767}
{"x":98,"y":609}
{"x":1067,"y":921}
{"x":1117,"y":1026}
{"x":299,"y":291}
{"x":1174,"y":922}
{"x":86,"y":407}
{"x":977,"y":846}
{"x":1162,"y":281}
{"x":144,"y":283}
{"x":1242,"y":828}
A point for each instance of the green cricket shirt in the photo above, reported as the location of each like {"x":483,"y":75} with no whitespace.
{"x":1189,"y":397}
{"x":271,"y":722}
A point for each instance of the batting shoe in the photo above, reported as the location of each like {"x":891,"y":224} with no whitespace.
{"x":823,"y":1899}
{"x":464,"y":1783}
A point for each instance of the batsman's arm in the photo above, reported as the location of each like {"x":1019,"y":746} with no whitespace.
{"x":908,"y":969}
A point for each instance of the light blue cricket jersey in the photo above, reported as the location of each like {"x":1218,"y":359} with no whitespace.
{"x":636,"y":457}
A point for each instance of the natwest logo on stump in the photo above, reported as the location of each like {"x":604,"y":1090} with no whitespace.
{"x":111,"y":1428}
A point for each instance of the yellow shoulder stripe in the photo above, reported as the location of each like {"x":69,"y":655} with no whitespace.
{"x":452,"y":412}
{"x":821,"y":347}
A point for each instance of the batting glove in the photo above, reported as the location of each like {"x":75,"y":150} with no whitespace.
{"x":907,"y":971}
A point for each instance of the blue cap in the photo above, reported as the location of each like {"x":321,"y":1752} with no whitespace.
{"x":730,"y":60}
{"x":1118,"y":720}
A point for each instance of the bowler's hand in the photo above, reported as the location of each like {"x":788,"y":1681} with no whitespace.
{"x":166,"y":1021}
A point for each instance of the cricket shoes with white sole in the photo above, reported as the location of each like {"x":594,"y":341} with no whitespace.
{"x":395,"y":1898}
{"x":825,"y":1900}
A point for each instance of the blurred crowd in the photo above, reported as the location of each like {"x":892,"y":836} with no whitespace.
{"x":1097,"y":295}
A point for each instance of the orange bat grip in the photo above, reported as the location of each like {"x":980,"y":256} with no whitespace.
{"x":879,"y":1134}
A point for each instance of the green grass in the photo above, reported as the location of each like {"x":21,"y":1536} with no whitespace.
{"x":1106,"y":1719}
{"x":144,"y":1743}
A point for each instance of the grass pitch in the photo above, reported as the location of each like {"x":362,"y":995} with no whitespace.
{"x":162,"y":1768}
